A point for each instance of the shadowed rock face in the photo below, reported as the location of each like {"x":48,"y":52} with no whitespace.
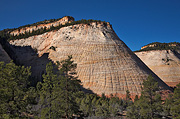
{"x":164,"y":63}
{"x":3,"y":55}
{"x":104,"y":63}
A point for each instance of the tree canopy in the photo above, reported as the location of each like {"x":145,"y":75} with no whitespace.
{"x":149,"y":104}
{"x":59,"y":96}
{"x":175,"y":108}
{"x":57,"y":91}
{"x":15,"y":93}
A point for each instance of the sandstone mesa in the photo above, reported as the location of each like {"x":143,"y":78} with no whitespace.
{"x":104,"y":63}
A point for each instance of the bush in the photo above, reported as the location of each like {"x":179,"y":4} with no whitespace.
{"x":53,"y":48}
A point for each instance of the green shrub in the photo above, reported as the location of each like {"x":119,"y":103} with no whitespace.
{"x":52,"y":48}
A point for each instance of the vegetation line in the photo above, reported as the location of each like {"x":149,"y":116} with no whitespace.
{"x":161,"y":46}
{"x":6,"y":33}
{"x":41,"y":22}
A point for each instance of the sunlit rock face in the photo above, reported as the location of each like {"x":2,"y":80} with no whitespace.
{"x":104,"y":63}
{"x":164,"y":63}
{"x":61,"y":21}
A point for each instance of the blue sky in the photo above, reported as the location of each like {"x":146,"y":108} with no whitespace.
{"x":136,"y":22}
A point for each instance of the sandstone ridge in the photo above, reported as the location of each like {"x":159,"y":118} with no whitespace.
{"x":164,"y":63}
{"x":104,"y":63}
{"x":31,"y":28}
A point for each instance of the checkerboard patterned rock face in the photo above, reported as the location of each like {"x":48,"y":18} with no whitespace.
{"x":164,"y":63}
{"x":104,"y":63}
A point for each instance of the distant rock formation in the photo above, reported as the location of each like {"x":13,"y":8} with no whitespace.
{"x":104,"y":63}
{"x":161,"y":46}
{"x":164,"y":63}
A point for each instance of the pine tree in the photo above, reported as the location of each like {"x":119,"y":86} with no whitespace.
{"x":58,"y":91}
{"x":167,"y":105}
{"x":69,"y":85}
{"x":46,"y":92}
{"x":133,"y":111}
{"x":15,"y":96}
{"x":149,"y":106}
{"x":175,"y":109}
{"x":128,"y":99}
{"x":115,"y":105}
{"x":136,"y":98}
{"x":102,"y":109}
{"x":86,"y":105}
